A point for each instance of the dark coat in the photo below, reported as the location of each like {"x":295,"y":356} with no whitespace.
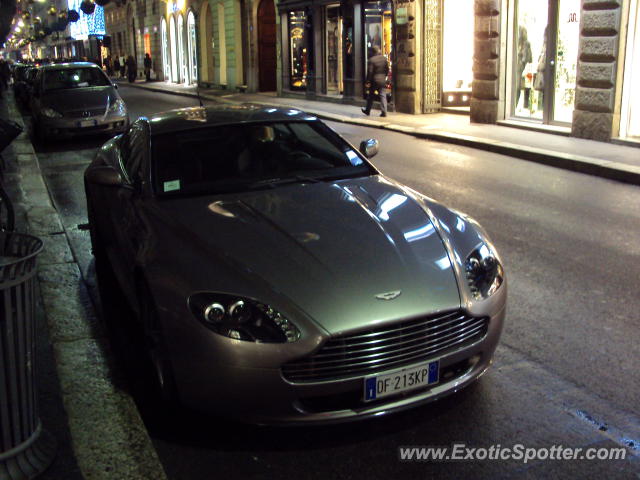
{"x":131,"y":64}
{"x":377,"y":71}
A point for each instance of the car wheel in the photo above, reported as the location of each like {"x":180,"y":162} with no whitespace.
{"x":157,"y":350}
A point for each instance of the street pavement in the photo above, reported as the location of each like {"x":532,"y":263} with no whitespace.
{"x":565,"y":372}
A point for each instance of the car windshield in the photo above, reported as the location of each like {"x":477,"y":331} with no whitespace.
{"x":232,"y":158}
{"x":66,"y":78}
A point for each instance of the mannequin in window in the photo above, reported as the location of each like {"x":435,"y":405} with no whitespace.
{"x":538,"y":83}
{"x":524,"y":58}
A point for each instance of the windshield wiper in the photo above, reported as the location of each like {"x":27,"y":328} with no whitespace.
{"x":274,"y":182}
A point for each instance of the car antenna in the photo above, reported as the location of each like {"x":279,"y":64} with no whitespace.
{"x":198,"y":94}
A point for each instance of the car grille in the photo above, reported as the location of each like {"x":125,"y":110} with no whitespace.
{"x":94,"y":112}
{"x":387,"y":347}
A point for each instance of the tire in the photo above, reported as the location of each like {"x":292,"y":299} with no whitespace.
{"x":157,"y":352}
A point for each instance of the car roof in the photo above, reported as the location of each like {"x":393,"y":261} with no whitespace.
{"x":64,"y":66}
{"x":201,"y":117}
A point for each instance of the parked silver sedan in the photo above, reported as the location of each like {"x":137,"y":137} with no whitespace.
{"x":76,"y":98}
{"x":279,"y":277}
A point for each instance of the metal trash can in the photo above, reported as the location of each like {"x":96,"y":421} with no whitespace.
{"x":25,"y":449}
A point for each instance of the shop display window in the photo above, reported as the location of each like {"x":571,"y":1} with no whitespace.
{"x":298,"y":49}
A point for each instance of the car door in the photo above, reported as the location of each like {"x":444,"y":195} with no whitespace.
{"x":34,"y":93}
{"x":126,"y":213}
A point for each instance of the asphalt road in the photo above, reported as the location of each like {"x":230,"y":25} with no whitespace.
{"x":567,"y":368}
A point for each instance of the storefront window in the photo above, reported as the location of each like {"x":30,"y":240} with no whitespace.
{"x":457,"y":53}
{"x":545,"y":59}
{"x":174,"y":50}
{"x":181,"y":56}
{"x":566,"y":60}
{"x":377,"y":29}
{"x":165,"y":49}
{"x":530,"y":58}
{"x":348,"y":46}
{"x":333,"y":38}
{"x":191,"y":46}
{"x":630,"y":112}
{"x":298,"y":49}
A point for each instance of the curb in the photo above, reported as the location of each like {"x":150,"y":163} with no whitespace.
{"x":617,"y":171}
{"x":108,"y":436}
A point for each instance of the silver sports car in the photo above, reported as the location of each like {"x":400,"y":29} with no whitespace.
{"x":279,"y":277}
{"x":73,"y":99}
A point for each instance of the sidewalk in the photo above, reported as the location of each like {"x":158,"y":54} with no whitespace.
{"x":96,"y":423}
{"x":607,"y":160}
{"x":50,"y":408}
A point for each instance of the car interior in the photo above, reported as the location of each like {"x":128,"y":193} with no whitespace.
{"x":251,"y":152}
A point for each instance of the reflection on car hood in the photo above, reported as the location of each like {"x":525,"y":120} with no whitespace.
{"x":73,"y":99}
{"x":331,"y":248}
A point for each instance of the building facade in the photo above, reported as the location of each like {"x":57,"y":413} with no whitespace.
{"x":556,"y":65}
{"x":134,"y":29}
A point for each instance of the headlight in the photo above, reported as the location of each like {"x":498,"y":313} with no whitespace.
{"x":118,"y":107}
{"x":50,"y":113}
{"x":484,"y":272}
{"x":242,"y":318}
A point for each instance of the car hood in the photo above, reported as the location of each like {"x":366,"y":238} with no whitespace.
{"x":79,"y":98}
{"x":332,"y":248}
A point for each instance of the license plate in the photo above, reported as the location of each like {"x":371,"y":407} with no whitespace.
{"x":87,"y":123}
{"x":401,"y":380}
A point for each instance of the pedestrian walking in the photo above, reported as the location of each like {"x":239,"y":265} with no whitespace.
{"x":377,"y":71}
{"x":147,"y":66}
{"x":5,"y":73}
{"x":116,"y":66}
{"x":122,"y":66}
{"x":132,"y":69}
{"x":108,"y":66}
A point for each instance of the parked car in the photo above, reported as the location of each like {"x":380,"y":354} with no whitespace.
{"x":280,"y":277}
{"x":76,"y":98}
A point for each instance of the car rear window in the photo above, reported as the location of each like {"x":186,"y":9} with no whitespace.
{"x":81,"y":77}
{"x":238,"y":157}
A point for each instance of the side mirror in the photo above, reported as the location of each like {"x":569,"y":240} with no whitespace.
{"x":115,"y":85}
{"x":106,"y":176}
{"x":370,"y":147}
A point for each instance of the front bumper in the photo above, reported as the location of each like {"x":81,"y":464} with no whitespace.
{"x":68,"y":127}
{"x":262,"y":395}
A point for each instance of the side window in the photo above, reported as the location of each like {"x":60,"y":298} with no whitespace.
{"x":136,"y":143}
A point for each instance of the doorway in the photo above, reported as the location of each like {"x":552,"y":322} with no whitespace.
{"x":206,"y":43}
{"x":267,"y":46}
{"x":174,"y":50}
{"x":333,"y":49}
{"x":545,"y":60}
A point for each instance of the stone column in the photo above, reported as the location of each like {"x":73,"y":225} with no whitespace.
{"x":314,"y":42}
{"x":486,"y":71}
{"x":593,"y":116}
